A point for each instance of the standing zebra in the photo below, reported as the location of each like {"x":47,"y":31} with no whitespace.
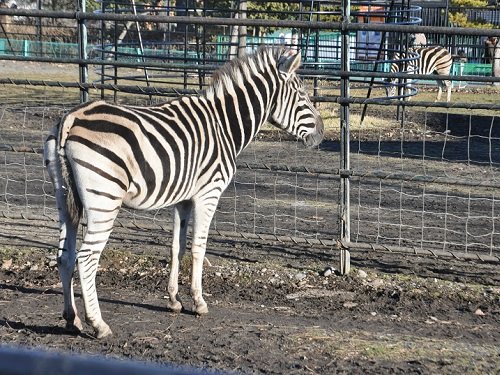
{"x":182,"y":153}
{"x":430,"y":60}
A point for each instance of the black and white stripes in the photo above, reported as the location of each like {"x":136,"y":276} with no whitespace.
{"x":429,"y":60}
{"x":181,"y":153}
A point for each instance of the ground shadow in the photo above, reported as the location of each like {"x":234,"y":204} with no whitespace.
{"x":474,"y":151}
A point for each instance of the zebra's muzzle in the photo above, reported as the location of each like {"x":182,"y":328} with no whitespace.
{"x":313,"y":139}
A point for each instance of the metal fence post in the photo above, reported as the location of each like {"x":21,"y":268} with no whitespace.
{"x":82,"y":45}
{"x":345,"y":229}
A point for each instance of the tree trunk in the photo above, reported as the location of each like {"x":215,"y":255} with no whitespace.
{"x":242,"y":31}
{"x":496,"y":61}
{"x":233,"y":40}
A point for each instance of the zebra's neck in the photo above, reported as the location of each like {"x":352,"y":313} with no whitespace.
{"x":242,"y":104}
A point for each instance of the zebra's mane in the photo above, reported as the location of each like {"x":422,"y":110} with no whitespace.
{"x":237,"y":71}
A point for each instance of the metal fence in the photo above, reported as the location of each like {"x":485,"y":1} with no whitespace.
{"x":418,"y":176}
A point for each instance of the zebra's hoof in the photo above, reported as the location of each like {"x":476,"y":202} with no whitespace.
{"x":102,"y":331}
{"x":174,"y":306}
{"x":201,"y":309}
{"x":74,"y":326}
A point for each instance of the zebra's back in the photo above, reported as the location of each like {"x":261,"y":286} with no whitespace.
{"x":434,"y":60}
{"x":158,"y":155}
{"x":425,"y":61}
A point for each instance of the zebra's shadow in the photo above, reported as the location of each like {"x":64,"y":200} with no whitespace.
{"x":19,"y":325}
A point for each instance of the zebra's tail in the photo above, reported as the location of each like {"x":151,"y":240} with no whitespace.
{"x":59,"y":169}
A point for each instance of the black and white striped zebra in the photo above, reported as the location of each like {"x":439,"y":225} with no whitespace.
{"x":430,"y":60}
{"x":182,"y":153}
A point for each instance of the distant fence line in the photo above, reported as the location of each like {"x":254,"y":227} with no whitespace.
{"x":435,"y":15}
{"x":34,"y":49}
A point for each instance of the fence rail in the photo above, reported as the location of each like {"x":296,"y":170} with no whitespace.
{"x":312,"y":25}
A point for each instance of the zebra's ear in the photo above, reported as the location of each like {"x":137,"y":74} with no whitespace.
{"x":289,"y":61}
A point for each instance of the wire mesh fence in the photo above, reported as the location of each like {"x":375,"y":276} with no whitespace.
{"x":430,"y":183}
{"x":426,"y":182}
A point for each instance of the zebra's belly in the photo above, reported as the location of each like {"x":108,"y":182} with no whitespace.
{"x":161,"y":200}
{"x":209,"y":186}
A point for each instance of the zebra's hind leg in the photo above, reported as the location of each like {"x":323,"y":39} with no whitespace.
{"x":182,"y":213}
{"x":444,"y":84}
{"x":448,"y":90}
{"x":99,"y":226}
{"x":66,"y":254}
{"x":66,"y":259}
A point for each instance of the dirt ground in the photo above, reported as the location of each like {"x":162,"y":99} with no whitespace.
{"x":273,"y":310}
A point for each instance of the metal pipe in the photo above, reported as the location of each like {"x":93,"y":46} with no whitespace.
{"x":344,"y":206}
{"x":82,"y":42}
{"x":141,"y":46}
{"x":176,"y":92}
{"x":310,"y":73}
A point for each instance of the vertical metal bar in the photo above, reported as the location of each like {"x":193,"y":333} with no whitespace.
{"x":381,"y":52}
{"x":115,"y":45}
{"x":204,"y":45}
{"x":103,"y":45}
{"x":39,"y":30}
{"x":316,"y":48}
{"x":141,"y":46}
{"x":200,"y":44}
{"x":345,"y":220}
{"x":82,"y":43}
{"x":403,"y":47}
{"x":186,"y":44}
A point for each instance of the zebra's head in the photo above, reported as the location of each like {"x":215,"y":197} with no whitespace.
{"x":292,"y":109}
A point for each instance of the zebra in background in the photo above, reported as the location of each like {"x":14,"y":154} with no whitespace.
{"x":430,"y":60}
{"x":182,"y":153}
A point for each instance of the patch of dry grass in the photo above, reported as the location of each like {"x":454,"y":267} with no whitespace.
{"x":392,"y":347}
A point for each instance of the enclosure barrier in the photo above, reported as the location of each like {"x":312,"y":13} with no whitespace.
{"x":425,"y":191}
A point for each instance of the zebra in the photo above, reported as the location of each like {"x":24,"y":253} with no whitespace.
{"x":430,"y":60}
{"x":181,"y":153}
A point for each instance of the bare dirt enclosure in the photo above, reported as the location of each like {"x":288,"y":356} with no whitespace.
{"x":272,"y":310}
{"x":276,"y":306}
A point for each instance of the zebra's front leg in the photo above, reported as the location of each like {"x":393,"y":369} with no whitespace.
{"x":182,"y":213}
{"x":203,"y":213}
